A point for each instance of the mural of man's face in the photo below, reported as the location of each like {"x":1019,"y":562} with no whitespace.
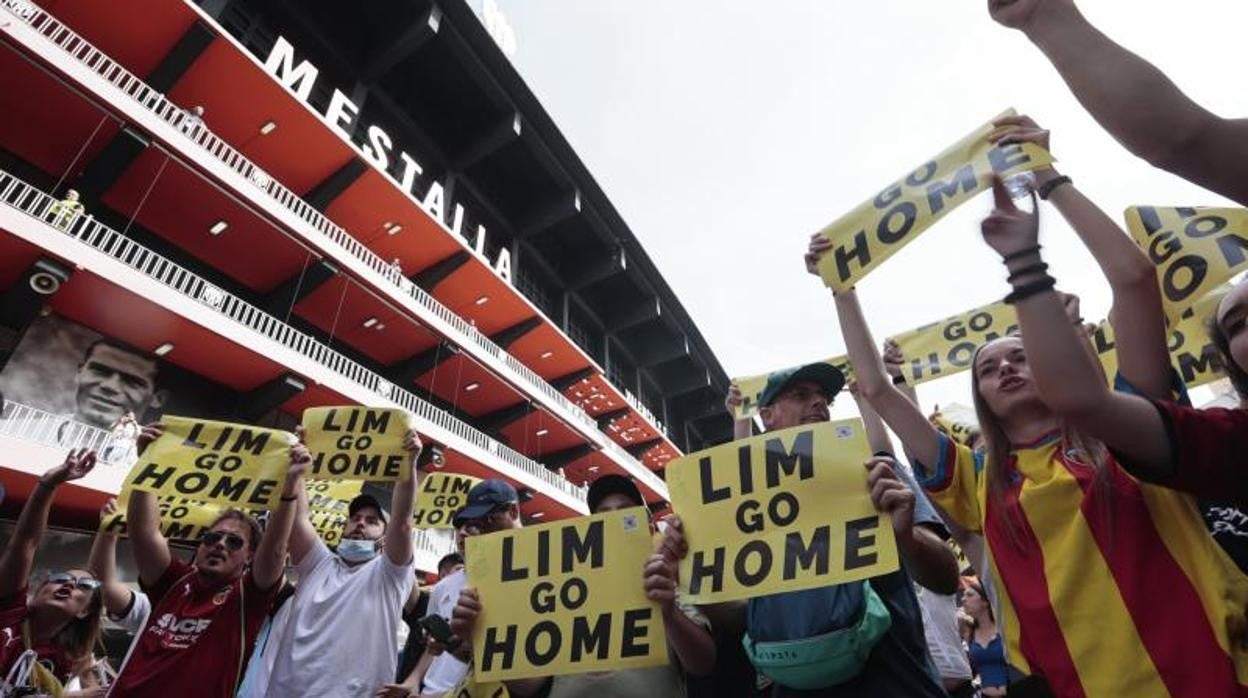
{"x":112,"y":381}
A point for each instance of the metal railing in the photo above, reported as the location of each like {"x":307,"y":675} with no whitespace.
{"x":159,"y":105}
{"x":26,"y":198}
{"x":50,"y":429}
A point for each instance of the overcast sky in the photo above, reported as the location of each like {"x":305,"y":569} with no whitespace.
{"x":727,"y":132}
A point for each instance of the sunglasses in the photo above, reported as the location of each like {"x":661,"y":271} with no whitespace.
{"x":233,"y":542}
{"x":83,"y":583}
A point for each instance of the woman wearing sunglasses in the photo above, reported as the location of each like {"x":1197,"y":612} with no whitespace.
{"x":43,"y":639}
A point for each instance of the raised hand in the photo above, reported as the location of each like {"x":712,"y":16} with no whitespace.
{"x":77,"y":464}
{"x":1019,"y":129}
{"x":1016,"y":14}
{"x":1009,"y":230}
{"x":734,"y":399}
{"x":889,"y":494}
{"x":893,"y":358}
{"x":147,"y":435}
{"x":109,"y":508}
{"x":659,"y":581}
{"x":819,"y":246}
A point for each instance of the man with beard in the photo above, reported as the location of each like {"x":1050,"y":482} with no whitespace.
{"x":352,"y":599}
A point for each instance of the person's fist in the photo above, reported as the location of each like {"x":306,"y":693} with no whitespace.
{"x":659,"y":581}
{"x":819,"y":246}
{"x":734,"y":399}
{"x":893,"y":358}
{"x":147,"y":435}
{"x":889,"y":494}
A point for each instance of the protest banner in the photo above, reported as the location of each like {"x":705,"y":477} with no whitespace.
{"x":1194,"y":249}
{"x":946,"y":347}
{"x":440,"y":497}
{"x":328,"y":525}
{"x":332,"y":496}
{"x":958,"y":422}
{"x":357,"y":443}
{"x":217,"y":462}
{"x":180,"y":519}
{"x":565,"y":598}
{"x":469,"y":687}
{"x":1192,"y":353}
{"x":871,"y":233}
{"x":783,"y":511}
{"x":751,"y":387}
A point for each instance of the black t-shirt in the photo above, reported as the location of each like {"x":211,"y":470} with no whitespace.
{"x":415,"y":645}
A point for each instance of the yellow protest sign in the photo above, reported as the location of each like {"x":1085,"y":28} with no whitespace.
{"x":201,"y":460}
{"x":958,"y":422}
{"x":1194,"y":249}
{"x":947,"y":346}
{"x":1192,"y":353}
{"x":180,"y":519}
{"x":871,"y":233}
{"x":783,"y":511}
{"x":440,"y":497}
{"x":565,"y":598}
{"x":469,"y":687}
{"x":751,"y":387}
{"x":332,"y":496}
{"x":328,"y":525}
{"x":357,"y":443}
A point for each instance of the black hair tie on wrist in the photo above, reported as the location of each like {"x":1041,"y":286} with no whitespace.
{"x":1037,"y":268}
{"x":1032,"y":289}
{"x":899,"y":379}
{"x":1046,"y":189}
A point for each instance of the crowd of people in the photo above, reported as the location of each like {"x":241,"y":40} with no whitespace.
{"x":1078,"y":505}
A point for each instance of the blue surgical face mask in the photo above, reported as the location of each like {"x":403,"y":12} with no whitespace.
{"x":353,"y":550}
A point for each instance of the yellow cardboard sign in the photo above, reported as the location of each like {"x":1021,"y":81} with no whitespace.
{"x":234,"y":465}
{"x":1192,"y":353}
{"x":469,"y":687}
{"x":751,"y":387}
{"x":440,"y":497}
{"x":332,"y":496}
{"x":782,"y":511}
{"x":947,"y":347}
{"x":871,"y":233}
{"x":957,"y":422}
{"x":1194,"y":249}
{"x":328,"y":525}
{"x":180,"y":519}
{"x":357,"y":443}
{"x":565,"y":598}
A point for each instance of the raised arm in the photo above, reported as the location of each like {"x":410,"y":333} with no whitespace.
{"x":269,"y":563}
{"x":1137,"y":316}
{"x":398,"y":546}
{"x":19,"y":555}
{"x":917,"y":435}
{"x":1171,"y":132}
{"x":151,"y":550}
{"x":877,"y":434}
{"x":1067,"y":380}
{"x":741,"y":428}
{"x":103,"y":563}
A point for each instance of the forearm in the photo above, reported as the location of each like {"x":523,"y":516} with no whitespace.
{"x":693,"y":645}
{"x":19,"y":555}
{"x":151,"y":552}
{"x":865,"y":359}
{"x":742,"y":428}
{"x":270,"y":560}
{"x":399,"y":531}
{"x":103,"y":563}
{"x":1122,"y":262}
{"x":877,"y":433}
{"x":1112,"y":82}
{"x":930,"y":562}
{"x":1065,"y":376}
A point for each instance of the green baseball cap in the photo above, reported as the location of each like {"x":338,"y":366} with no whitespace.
{"x":826,"y":376}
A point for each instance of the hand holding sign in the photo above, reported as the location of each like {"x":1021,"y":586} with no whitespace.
{"x":360,"y":443}
{"x":661,"y":581}
{"x":889,"y":494}
{"x":148,"y":434}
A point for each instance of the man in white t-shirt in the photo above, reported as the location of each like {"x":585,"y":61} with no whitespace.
{"x":341,"y":639}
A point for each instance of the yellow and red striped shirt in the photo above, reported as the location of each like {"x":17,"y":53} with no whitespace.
{"x":1121,"y":595}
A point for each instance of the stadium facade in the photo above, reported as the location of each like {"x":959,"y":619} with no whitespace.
{"x":287,"y":204}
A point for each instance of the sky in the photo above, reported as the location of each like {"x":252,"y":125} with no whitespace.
{"x":727,"y":132}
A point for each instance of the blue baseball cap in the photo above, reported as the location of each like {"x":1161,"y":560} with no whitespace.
{"x":824,"y":375}
{"x":484,"y":497}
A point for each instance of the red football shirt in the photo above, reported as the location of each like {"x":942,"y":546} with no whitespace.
{"x":12,"y":614}
{"x":198,"y":637}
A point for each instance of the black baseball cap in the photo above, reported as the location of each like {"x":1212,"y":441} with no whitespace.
{"x":611,"y":484}
{"x":484,"y":497}
{"x":824,"y":375}
{"x":365,"y":501}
